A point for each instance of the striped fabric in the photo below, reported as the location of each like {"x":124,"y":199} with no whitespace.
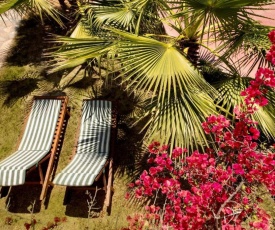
{"x":93,"y":145}
{"x":35,"y":144}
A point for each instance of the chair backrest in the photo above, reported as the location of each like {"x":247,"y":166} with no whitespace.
{"x":41,"y":125}
{"x":95,"y":128}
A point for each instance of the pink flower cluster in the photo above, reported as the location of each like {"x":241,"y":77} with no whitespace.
{"x":270,"y":56}
{"x":254,"y":94}
{"x":204,"y":191}
{"x":212,"y":190}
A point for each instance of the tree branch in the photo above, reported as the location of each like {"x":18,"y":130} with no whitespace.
{"x":217,"y":217}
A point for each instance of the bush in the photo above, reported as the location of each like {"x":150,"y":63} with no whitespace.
{"x":212,"y":190}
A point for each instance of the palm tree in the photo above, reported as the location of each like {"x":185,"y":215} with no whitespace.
{"x":128,"y":37}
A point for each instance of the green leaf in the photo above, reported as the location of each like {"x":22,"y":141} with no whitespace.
{"x":6,"y":5}
{"x":25,"y":6}
{"x":158,"y":67}
{"x":230,"y":97}
{"x":178,"y":121}
{"x":76,"y":51}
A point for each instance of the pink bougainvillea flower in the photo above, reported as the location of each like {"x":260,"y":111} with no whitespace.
{"x":245,"y":200}
{"x":238,"y":169}
{"x":177,"y":152}
{"x":127,"y":196}
{"x":154,"y":147}
{"x":271,"y":36}
{"x":217,"y":187}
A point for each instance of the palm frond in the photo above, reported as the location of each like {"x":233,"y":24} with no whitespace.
{"x":44,"y":6}
{"x":158,"y":67}
{"x":76,"y":51}
{"x":178,"y":120}
{"x":118,"y":15}
{"x":224,"y":14}
{"x":230,"y":89}
{"x":25,"y":6}
{"x":133,"y":16}
{"x":229,"y":93}
{"x":249,"y":43}
{"x":6,"y":5}
{"x":80,"y":31}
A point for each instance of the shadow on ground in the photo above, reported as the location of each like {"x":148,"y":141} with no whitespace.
{"x":28,"y":44}
{"x":31,"y":41}
{"x":79,"y":207}
{"x":24,"y":199}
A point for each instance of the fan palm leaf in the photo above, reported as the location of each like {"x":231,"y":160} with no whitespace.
{"x":77,"y":51}
{"x":80,"y":31}
{"x":6,"y":5}
{"x":118,"y":15}
{"x":25,"y":6}
{"x":224,"y":14}
{"x":230,"y":90}
{"x":178,"y":120}
{"x":124,"y":15}
{"x":157,"y":67}
{"x":249,"y":43}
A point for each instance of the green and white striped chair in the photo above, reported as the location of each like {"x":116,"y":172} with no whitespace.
{"x":38,"y":144}
{"x":93,"y":147}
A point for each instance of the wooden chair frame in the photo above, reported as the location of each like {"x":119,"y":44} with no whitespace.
{"x":52,"y":155}
{"x":107,"y":184}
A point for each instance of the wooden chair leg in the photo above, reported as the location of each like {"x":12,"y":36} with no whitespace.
{"x":104,"y":181}
{"x":47,"y":177}
{"x":41,"y":174}
{"x":108,"y":197}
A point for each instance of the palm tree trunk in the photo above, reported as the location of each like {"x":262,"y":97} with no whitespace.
{"x":193,"y":52}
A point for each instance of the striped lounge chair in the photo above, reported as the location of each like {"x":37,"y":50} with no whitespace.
{"x":40,"y":142}
{"x":93,"y":151}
